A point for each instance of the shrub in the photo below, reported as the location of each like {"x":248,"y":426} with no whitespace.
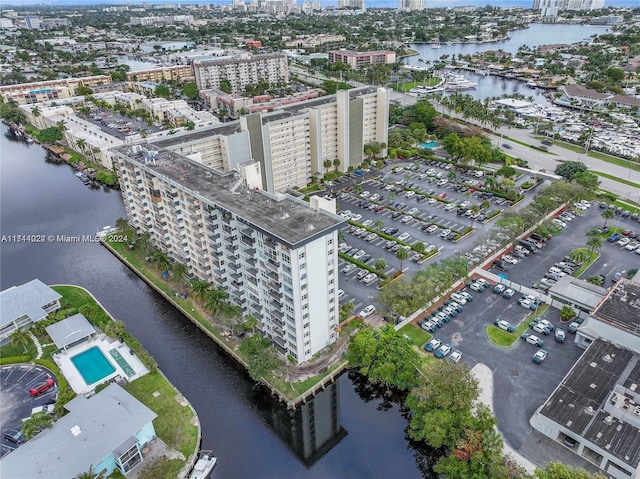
{"x":566,"y":313}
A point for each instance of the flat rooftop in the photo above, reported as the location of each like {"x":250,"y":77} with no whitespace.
{"x":579,"y":291}
{"x":287,"y":219}
{"x":622,"y":306}
{"x":200,"y":134}
{"x":578,"y":403}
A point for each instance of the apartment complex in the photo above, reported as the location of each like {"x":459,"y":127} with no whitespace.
{"x":292,"y":142}
{"x":411,"y":5}
{"x":314,"y":41}
{"x":241,"y":71}
{"x":276,"y":257}
{"x":360,"y":60}
{"x":553,"y":7}
{"x":23,"y":306}
{"x":160,"y":74}
{"x":36,"y":92}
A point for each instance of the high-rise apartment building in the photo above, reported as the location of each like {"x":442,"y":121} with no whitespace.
{"x":553,"y":7}
{"x":291,"y":143}
{"x":411,"y":5}
{"x":241,"y":71}
{"x":276,"y":257}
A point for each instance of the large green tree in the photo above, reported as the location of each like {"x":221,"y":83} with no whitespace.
{"x":567,"y":169}
{"x":262,"y":356}
{"x":190,"y":90}
{"x":384,"y":356}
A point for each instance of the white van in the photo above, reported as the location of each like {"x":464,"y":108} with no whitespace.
{"x":557,"y":271}
{"x":479,"y":174}
{"x":368,"y":311}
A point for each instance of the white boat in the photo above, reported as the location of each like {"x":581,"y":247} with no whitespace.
{"x":458,"y":82}
{"x":437,"y":43}
{"x":204,"y":465}
{"x":532,"y":84}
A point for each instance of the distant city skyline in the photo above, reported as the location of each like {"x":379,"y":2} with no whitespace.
{"x":325,"y":3}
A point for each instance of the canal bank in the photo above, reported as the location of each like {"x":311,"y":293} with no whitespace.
{"x":321,"y":374}
{"x":40,"y":196}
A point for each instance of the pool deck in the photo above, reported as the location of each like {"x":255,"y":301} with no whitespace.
{"x":105,"y":344}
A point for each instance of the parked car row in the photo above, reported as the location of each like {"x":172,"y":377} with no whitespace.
{"x":628,"y":240}
{"x":619,"y":211}
{"x":441,"y":350}
{"x":446,"y":312}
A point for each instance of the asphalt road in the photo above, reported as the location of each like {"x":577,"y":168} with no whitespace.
{"x":539,"y":160}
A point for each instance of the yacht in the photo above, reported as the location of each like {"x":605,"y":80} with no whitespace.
{"x":203,"y":467}
{"x":532,"y":84}
{"x":458,"y":82}
{"x":437,"y":43}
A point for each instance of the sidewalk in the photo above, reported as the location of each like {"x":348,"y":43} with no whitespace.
{"x":485,"y":380}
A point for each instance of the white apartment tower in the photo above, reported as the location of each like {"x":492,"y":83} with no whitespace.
{"x":411,"y":5}
{"x":241,"y":71}
{"x":291,"y":143}
{"x":276,"y":257}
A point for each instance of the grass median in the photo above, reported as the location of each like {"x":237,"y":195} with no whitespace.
{"x":418,"y":336}
{"x":505,"y":339}
{"x":617,"y":179}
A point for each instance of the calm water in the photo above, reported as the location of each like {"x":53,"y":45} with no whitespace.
{"x":238,"y":423}
{"x":535,"y":35}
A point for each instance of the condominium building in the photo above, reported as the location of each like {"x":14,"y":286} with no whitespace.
{"x":174,"y":72}
{"x":314,"y":41}
{"x":276,"y":257}
{"x":410,"y":5}
{"x":360,"y":60}
{"x":292,"y":142}
{"x":241,"y":71}
{"x":35,"y":92}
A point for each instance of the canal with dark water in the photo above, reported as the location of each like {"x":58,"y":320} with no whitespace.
{"x":350,"y":432}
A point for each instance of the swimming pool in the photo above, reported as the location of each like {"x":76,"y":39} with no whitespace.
{"x":431,"y":145}
{"x":92,"y":365}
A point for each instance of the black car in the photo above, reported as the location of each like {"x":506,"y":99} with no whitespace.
{"x":15,"y":436}
{"x":451,"y":236}
{"x":396,"y":214}
{"x":392,"y":231}
{"x":502,"y":265}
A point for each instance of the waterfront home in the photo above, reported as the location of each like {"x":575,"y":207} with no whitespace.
{"x":24,"y":305}
{"x":107,"y":431}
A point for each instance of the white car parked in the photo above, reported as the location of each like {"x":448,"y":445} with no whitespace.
{"x":368,"y":311}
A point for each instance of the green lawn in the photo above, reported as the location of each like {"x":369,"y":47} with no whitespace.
{"x":74,"y":296}
{"x":174,"y":424}
{"x":405,"y":87}
{"x":615,"y":178}
{"x":600,"y":156}
{"x":418,"y":336}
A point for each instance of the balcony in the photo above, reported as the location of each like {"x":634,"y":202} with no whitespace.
{"x":275,"y":304}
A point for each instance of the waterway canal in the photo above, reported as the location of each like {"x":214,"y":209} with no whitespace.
{"x":242,"y":427}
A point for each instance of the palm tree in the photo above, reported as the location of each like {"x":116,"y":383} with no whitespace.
{"x":61,"y":125}
{"x":380,"y":265}
{"x":179,"y":272}
{"x":36,"y":111}
{"x":402,"y":254}
{"x":161,"y":260}
{"x":607,"y":214}
{"x":378,"y":225}
{"x":20,"y":337}
{"x":90,"y":474}
{"x":419,"y":247}
{"x":336,"y":164}
{"x":36,"y":423}
{"x":199,"y":289}
{"x":594,"y":243}
{"x":81,"y":143}
{"x":213,"y":299}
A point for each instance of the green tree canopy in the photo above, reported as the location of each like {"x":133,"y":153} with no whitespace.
{"x":162,"y":91}
{"x":587,"y":179}
{"x":190,"y":90}
{"x":567,"y":169}
{"x":384,"y":357}
{"x":262,"y":356}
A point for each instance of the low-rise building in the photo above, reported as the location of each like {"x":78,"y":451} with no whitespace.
{"x":313,"y":41}
{"x":595,"y":410}
{"x":584,"y":96}
{"x":103,"y":433}
{"x":160,"y":74}
{"x":36,"y":92}
{"x":24,"y":305}
{"x":360,"y":60}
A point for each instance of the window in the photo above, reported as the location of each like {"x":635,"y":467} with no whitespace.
{"x":301,"y":256}
{"x":304,"y":297}
{"x":302,"y":265}
{"x":130,"y":459}
{"x":306,"y":325}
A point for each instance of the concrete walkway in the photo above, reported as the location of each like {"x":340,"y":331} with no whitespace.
{"x":484,"y":375}
{"x":37,"y":343}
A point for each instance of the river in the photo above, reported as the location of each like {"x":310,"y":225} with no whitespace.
{"x":487,"y":86}
{"x":243,"y":427}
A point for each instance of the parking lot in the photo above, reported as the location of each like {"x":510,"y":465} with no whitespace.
{"x":613,"y":258}
{"x":17,"y":403}
{"x":419,"y":201}
{"x":120,"y":126}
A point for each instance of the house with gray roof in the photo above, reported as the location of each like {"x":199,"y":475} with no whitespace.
{"x":24,"y":305}
{"x":105,"y":432}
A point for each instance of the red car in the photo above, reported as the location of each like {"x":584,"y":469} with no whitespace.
{"x":442,"y":196}
{"x":40,"y":388}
